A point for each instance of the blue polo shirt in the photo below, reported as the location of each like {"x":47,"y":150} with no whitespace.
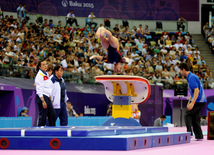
{"x":194,"y":82}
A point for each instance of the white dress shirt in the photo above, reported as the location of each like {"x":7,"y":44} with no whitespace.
{"x":70,"y":15}
{"x":91,"y":19}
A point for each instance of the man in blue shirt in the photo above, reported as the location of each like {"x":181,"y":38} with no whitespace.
{"x":195,"y":103}
{"x":19,"y":13}
{"x":23,"y":11}
{"x":183,"y":56}
{"x":51,"y":23}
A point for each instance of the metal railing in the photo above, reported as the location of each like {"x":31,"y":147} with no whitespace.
{"x":30,"y":73}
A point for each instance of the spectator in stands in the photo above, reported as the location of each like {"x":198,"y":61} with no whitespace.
{"x":172,"y":72}
{"x":159,"y":67}
{"x":165,"y":72}
{"x":208,"y":74}
{"x":71,"y":19}
{"x":130,"y":39}
{"x":47,"y":31}
{"x":183,"y":80}
{"x":121,"y":28}
{"x":161,"y":42}
{"x":196,"y":51}
{"x":23,"y":11}
{"x":163,"y":50}
{"x":187,"y":36}
{"x":206,"y":27}
{"x":188,"y":51}
{"x":168,"y":42}
{"x":146,"y":31}
{"x":159,"y":121}
{"x":208,"y":33}
{"x":191,"y":41}
{"x":157,"y":50}
{"x":51,"y":23}
{"x":183,"y":41}
{"x":91,"y":18}
{"x":23,"y":113}
{"x":71,"y":111}
{"x":138,"y":34}
{"x":134,"y":30}
{"x":197,"y":57}
{"x":165,"y":36}
{"x":19,"y":13}
{"x":123,"y":35}
{"x":59,"y":24}
{"x":116,"y":29}
{"x":45,"y":23}
{"x":157,"y":78}
{"x":181,"y":22}
{"x":140,"y":29}
{"x":201,"y":61}
{"x":8,"y":55}
{"x":80,"y":114}
{"x":183,"y":56}
{"x":176,"y":79}
{"x":210,"y":40}
{"x":172,"y":51}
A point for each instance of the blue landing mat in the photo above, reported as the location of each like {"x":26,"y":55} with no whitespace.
{"x":79,"y":131}
{"x":114,"y":142}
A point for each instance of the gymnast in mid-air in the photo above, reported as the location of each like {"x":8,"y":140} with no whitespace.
{"x":110,"y":43}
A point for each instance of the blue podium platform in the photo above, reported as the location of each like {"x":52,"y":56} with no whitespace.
{"x":89,"y":138}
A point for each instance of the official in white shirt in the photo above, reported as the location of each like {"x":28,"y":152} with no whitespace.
{"x":43,"y":95}
{"x":71,"y":19}
{"x":91,"y":18}
{"x":59,"y":95}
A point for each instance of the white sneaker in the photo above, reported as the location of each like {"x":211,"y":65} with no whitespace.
{"x":196,"y":139}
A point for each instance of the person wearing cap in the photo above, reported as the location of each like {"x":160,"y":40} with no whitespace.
{"x":59,"y":95}
{"x":44,"y":88}
{"x":110,"y":43}
{"x":24,"y":112}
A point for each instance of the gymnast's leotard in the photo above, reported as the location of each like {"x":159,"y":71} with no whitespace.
{"x":114,"y":56}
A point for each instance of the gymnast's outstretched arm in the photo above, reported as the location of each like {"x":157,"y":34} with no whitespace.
{"x":96,"y":57}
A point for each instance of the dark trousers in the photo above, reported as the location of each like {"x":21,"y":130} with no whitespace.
{"x":44,"y":113}
{"x":62,"y":114}
{"x":92,"y":23}
{"x":181,"y":26}
{"x":192,"y":119}
{"x":71,"y":21}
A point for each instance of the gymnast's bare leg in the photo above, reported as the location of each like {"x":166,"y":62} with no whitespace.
{"x":106,"y":41}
